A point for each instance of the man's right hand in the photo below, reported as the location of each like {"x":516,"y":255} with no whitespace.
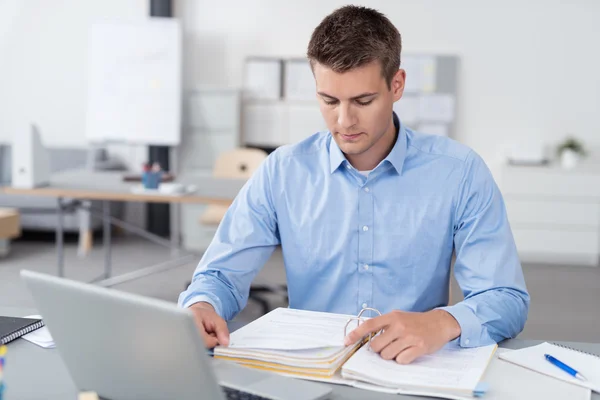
{"x":211,"y":326}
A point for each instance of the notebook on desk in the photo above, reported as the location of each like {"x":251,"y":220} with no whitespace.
{"x":309,"y":345}
{"x":533,"y":359}
{"x":12,"y":328}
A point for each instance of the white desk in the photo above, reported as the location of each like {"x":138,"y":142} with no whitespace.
{"x":34,"y":373}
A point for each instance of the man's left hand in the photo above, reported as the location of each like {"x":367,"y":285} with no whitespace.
{"x":407,"y":335}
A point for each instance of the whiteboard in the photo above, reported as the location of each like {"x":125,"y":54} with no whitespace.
{"x":134,"y":82}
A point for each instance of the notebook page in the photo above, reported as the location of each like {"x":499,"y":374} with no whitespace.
{"x":289,"y":329}
{"x":526,"y":384}
{"x":533,"y":358}
{"x":451,"y":368}
{"x":41,"y":336}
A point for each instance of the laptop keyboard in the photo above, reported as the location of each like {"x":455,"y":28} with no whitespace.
{"x":234,"y":394}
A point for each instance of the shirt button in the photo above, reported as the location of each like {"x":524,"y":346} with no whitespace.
{"x":365,"y":228}
{"x":348,"y":166}
{"x":366,"y":267}
{"x":364,"y":305}
{"x":467,"y":341}
{"x":367,"y":190}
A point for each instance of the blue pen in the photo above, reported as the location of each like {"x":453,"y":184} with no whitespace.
{"x":565,"y":367}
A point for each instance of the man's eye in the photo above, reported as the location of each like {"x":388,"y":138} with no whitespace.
{"x":364,"y":103}
{"x":330,"y":102}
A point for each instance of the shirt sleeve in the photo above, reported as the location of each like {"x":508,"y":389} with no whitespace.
{"x":487,"y":267}
{"x":244,"y":241}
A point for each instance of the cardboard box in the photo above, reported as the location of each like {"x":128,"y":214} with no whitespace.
{"x":10,"y":224}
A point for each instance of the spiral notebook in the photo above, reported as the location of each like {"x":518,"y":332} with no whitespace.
{"x":533,"y":358}
{"x":12,"y":328}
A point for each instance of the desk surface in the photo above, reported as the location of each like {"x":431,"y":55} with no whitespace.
{"x":34,"y":373}
{"x":93,"y":185}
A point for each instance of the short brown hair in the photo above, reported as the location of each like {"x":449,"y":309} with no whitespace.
{"x":354,"y":36}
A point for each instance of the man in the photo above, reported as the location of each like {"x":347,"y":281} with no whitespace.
{"x":369,"y":214}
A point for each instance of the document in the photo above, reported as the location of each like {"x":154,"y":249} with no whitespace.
{"x":309,"y":345}
{"x":526,"y":384}
{"x":41,"y":336}
{"x":289,"y":329}
{"x":533,"y":358}
{"x":451,"y":368}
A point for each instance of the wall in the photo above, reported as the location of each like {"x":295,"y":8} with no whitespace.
{"x":43,"y":64}
{"x":528,"y":68}
{"x":43,"y":67}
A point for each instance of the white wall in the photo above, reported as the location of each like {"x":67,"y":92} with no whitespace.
{"x":43,"y":67}
{"x":43,"y":64}
{"x":528,"y":68}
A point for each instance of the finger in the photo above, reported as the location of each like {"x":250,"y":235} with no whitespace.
{"x":209,"y":339}
{"x":382,"y":340}
{"x":222,"y":331}
{"x":209,"y":325}
{"x":409,"y":354}
{"x":369,"y":326}
{"x":395,"y":348}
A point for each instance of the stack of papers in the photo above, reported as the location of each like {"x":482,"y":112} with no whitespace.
{"x":309,"y":345}
{"x":302,"y":343}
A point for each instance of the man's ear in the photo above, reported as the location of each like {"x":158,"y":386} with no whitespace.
{"x":397,"y":84}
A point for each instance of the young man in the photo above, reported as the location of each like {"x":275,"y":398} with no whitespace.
{"x":368,"y":215}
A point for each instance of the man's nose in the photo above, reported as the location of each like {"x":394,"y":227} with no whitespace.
{"x":346,"y":117}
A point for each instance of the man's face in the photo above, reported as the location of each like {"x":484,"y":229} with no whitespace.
{"x":357,"y":108}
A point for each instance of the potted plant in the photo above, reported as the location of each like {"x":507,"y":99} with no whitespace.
{"x":570,"y":152}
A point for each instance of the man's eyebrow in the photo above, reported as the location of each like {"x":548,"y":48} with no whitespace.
{"x":360,"y":96}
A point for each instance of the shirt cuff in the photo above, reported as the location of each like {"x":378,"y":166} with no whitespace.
{"x":470,"y":326}
{"x":201,"y":297}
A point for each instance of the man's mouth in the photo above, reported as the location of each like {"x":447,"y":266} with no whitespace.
{"x":350,"y":137}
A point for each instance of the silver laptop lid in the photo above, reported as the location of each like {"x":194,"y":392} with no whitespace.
{"x":111,"y":343}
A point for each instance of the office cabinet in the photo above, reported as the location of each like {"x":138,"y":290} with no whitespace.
{"x":554,"y":213}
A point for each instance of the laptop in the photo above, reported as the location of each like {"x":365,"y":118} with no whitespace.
{"x":125,"y":347}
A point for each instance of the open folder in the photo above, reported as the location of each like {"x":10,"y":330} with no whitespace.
{"x":310,"y":345}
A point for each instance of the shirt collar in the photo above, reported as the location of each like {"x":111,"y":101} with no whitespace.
{"x":395,"y":158}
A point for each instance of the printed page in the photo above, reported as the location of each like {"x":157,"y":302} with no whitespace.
{"x":289,"y":329}
{"x":452,"y":368}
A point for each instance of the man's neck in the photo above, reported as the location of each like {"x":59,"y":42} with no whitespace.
{"x":368,"y":160}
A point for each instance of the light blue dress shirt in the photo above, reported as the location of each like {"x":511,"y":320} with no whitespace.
{"x":383,"y":241}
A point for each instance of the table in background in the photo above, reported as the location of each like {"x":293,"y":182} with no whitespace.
{"x":82,"y":186}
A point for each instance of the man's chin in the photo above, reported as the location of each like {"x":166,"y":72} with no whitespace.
{"x":351,"y":148}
